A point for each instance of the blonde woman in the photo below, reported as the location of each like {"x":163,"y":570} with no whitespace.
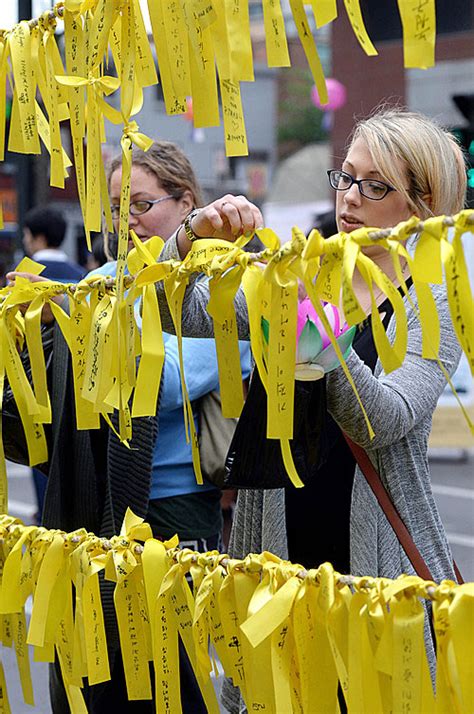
{"x":397,"y":164}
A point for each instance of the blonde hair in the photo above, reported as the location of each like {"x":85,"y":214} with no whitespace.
{"x":430,"y":155}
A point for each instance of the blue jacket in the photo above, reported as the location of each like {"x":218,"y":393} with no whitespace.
{"x":173,"y":473}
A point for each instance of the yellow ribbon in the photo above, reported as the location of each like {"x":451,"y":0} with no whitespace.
{"x":286,"y":634}
{"x":23,"y":132}
{"x":3,"y":103}
{"x":57,"y":166}
{"x":107,"y":378}
{"x":419,"y":32}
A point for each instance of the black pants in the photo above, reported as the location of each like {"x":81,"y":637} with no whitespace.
{"x":111,"y":696}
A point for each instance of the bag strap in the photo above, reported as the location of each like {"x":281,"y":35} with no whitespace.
{"x":375,"y":482}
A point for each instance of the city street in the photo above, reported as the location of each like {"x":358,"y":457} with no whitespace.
{"x":453,"y":485}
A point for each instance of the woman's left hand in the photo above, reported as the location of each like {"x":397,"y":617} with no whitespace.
{"x":47,"y":314}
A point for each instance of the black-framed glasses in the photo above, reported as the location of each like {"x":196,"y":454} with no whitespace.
{"x":370,"y":188}
{"x":138,"y":208}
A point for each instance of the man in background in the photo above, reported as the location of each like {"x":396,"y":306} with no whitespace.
{"x":43,"y":234}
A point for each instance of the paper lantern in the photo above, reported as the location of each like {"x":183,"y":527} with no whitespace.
{"x":315,"y":355}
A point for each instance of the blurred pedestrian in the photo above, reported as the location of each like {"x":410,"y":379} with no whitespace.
{"x":97,"y":257}
{"x":43,"y":234}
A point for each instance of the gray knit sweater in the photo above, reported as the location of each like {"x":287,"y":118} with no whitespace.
{"x":400,"y":406}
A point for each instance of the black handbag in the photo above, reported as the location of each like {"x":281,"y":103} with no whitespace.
{"x":254,"y":461}
{"x":215,"y":437}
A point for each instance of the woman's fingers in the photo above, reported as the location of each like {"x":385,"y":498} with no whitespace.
{"x":244,"y":217}
{"x":11,"y":277}
{"x":47,"y":314}
{"x":228,"y":217}
{"x":213,"y":216}
{"x":231,"y":212}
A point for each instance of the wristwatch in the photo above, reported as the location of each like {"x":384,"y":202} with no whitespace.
{"x":190,"y":235}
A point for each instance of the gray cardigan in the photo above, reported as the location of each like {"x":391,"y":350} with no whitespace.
{"x":400,"y":407}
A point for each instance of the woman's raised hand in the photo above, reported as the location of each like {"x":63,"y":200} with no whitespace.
{"x":33,"y":278}
{"x":228,"y":218}
{"x":47,"y":315}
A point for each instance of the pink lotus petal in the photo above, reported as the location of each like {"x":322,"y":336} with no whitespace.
{"x":306,"y":312}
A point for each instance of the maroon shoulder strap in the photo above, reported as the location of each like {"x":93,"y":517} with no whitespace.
{"x":375,"y":482}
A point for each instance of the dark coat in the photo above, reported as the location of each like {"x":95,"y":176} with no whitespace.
{"x":92,"y":477}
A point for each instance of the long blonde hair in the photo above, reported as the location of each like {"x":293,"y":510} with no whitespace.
{"x":430,"y":155}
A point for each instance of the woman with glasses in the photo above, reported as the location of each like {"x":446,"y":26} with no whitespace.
{"x":163,"y":192}
{"x":92,"y":477}
{"x":397,"y":164}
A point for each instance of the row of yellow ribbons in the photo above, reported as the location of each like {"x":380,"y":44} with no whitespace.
{"x":285,"y":636}
{"x":106,"y":49}
{"x":100,"y":326}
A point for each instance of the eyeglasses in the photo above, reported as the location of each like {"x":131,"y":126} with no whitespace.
{"x":342,"y":181}
{"x":138,"y":208}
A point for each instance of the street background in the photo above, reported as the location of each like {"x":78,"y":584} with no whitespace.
{"x":453,"y":485}
{"x":291,"y":144}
